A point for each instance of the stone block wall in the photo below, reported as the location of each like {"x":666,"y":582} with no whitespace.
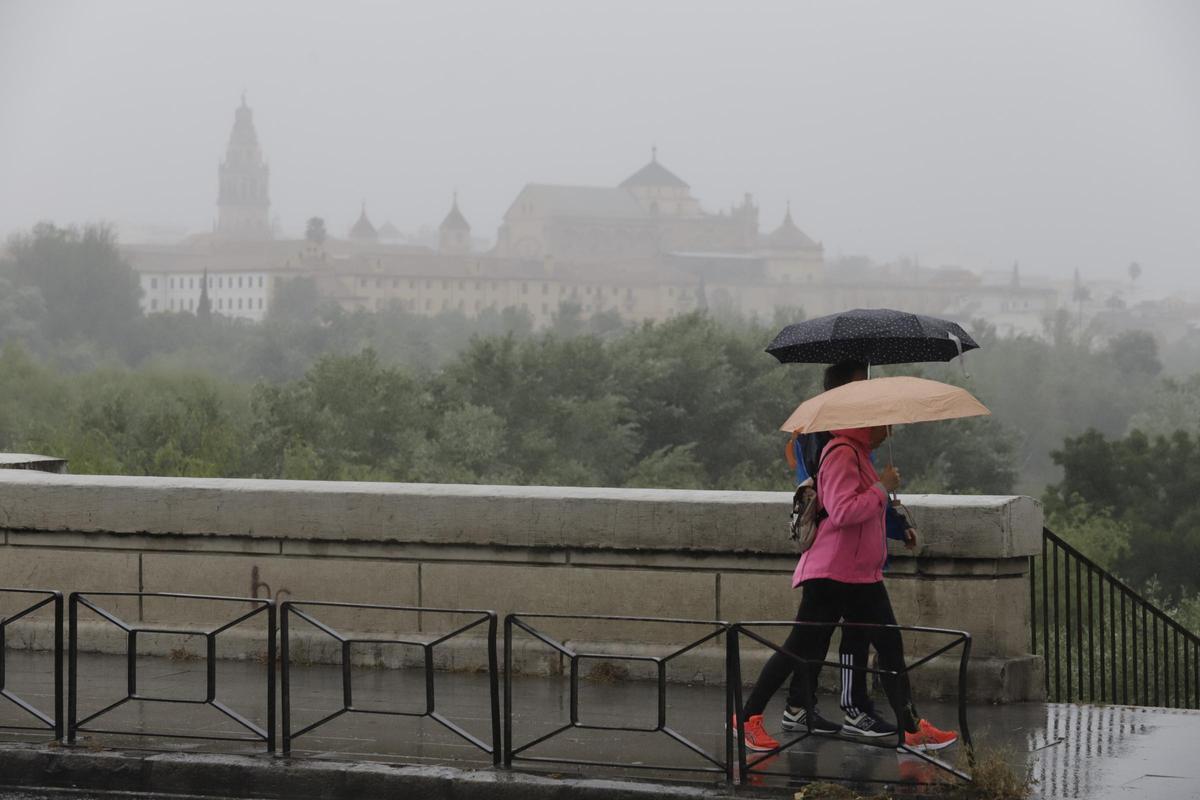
{"x":678,"y":554}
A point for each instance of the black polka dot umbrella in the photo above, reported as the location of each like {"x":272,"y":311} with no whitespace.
{"x":873,"y":336}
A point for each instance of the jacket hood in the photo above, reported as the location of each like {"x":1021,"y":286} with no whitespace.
{"x":860,"y":436}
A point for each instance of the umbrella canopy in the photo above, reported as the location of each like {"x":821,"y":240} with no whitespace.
{"x":883,"y":401}
{"x":873,"y":336}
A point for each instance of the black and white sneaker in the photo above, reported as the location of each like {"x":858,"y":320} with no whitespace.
{"x":866,"y":726}
{"x":797,"y":720}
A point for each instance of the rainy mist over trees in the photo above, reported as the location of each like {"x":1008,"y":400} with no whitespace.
{"x":583,"y":314}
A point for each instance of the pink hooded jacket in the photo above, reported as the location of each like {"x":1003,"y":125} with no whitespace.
{"x":850,"y":544}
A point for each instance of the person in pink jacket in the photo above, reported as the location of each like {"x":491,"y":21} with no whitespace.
{"x":841,"y":577}
{"x":854,"y":497}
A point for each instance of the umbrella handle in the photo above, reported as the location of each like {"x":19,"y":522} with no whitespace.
{"x":962,"y":359}
{"x":891,"y":463}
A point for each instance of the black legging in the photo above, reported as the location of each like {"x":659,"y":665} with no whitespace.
{"x":825,"y":600}
{"x":853,"y":653}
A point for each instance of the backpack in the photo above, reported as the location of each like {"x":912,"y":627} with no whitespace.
{"x":807,"y":511}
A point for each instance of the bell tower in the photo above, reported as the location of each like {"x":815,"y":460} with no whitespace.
{"x":242,"y":196}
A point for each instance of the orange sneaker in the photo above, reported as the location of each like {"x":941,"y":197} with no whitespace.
{"x":926,"y":738}
{"x":757,"y":737}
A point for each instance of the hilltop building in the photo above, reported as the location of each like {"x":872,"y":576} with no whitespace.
{"x":645,"y":249}
{"x":650,"y":213}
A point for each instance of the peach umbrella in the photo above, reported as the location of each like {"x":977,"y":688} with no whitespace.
{"x":883,"y":401}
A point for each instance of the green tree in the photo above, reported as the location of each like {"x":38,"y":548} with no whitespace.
{"x":1172,"y":405}
{"x":21,"y":311}
{"x":967,"y":456}
{"x":358,"y":418}
{"x":1095,"y":533}
{"x":40,"y":405}
{"x":688,"y":380}
{"x":295,"y":299}
{"x":468,"y":446}
{"x":669,"y":467}
{"x":1147,"y":485}
{"x":88,"y":288}
{"x":1135,"y":355}
{"x":565,"y":421}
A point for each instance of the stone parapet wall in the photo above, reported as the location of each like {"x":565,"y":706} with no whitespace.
{"x":679,"y":554}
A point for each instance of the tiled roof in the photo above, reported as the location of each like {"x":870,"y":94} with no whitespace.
{"x":654,"y":174}
{"x":578,"y":201}
{"x":789,"y":237}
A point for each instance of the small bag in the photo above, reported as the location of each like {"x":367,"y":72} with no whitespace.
{"x":910,"y":533}
{"x":807,"y":511}
{"x":803,"y":526}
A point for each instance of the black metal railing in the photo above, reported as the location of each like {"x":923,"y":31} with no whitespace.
{"x":748,"y":767}
{"x":503,"y":747}
{"x":1101,"y":641}
{"x":52,"y":722}
{"x":513,"y":752}
{"x":295,"y":608}
{"x":132,"y":631}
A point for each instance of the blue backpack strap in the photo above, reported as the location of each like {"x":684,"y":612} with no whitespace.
{"x":797,"y":446}
{"x":812,"y":445}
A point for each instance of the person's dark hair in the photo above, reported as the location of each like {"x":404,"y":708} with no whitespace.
{"x":842,"y":373}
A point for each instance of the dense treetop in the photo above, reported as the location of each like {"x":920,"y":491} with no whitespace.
{"x":694,"y":402}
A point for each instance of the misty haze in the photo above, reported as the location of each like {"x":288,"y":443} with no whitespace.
{"x":472,"y":271}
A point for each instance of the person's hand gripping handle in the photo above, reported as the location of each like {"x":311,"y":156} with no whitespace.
{"x":890,"y":478}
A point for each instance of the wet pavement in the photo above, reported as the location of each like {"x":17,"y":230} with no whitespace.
{"x":1071,"y":751}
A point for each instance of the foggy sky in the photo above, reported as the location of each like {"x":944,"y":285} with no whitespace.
{"x":1064,"y":135}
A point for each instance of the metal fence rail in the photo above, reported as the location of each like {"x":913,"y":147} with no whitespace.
{"x":52,"y":723}
{"x":748,"y":767}
{"x":132,"y":631}
{"x":1101,"y":641}
{"x":293,"y":608}
{"x":503,"y":746}
{"x":512,"y":752}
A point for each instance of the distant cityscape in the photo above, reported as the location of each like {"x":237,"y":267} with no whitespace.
{"x":645,"y":248}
